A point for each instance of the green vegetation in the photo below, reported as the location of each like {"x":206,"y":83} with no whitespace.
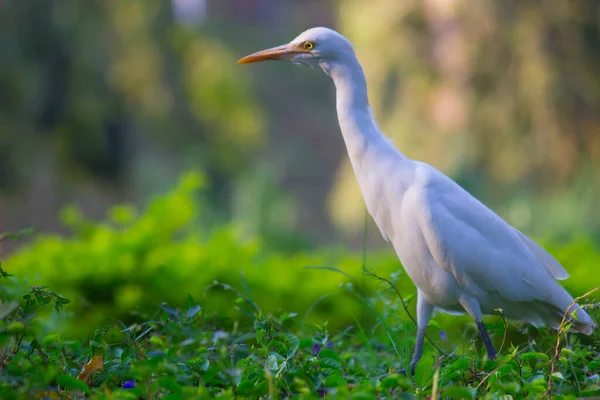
{"x":152,"y":305}
{"x":188,"y":352}
{"x":213,"y":288}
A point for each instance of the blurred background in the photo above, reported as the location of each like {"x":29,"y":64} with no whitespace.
{"x":109,"y":102}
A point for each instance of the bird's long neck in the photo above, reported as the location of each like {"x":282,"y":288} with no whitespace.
{"x":359,"y":128}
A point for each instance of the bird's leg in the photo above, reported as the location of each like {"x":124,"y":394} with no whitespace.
{"x":471,"y":306}
{"x":424,"y":311}
{"x":489,"y":347}
{"x":418,"y":352}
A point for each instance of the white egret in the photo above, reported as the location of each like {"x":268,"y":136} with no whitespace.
{"x":460,"y":254}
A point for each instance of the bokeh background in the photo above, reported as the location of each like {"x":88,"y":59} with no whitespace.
{"x":110,"y":102}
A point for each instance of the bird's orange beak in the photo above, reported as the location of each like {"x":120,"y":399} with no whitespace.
{"x":276,"y":53}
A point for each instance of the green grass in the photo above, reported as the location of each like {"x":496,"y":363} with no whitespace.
{"x":246,"y":353}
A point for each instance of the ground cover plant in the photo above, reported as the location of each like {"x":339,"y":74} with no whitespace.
{"x":146,"y":306}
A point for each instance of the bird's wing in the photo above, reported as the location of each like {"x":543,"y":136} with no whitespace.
{"x":547,"y":260}
{"x":481,"y":250}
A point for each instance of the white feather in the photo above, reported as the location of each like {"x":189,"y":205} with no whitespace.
{"x":460,"y":254}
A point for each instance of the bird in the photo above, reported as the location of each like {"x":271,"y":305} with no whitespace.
{"x":461,"y":255}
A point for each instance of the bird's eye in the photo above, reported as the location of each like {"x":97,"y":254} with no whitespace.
{"x":309,"y":45}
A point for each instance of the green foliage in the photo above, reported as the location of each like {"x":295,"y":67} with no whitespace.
{"x":12,"y":236}
{"x":112,"y":268}
{"x":126,"y":266}
{"x":187,"y":352}
{"x":264,"y":323}
{"x":107,"y":96}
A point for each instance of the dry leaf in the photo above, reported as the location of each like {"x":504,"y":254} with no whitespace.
{"x":95,"y":365}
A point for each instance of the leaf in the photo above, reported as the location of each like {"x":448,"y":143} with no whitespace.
{"x":95,"y":365}
{"x":190,"y":302}
{"x":457,"y":365}
{"x":456,"y":392}
{"x":424,"y":371}
{"x":295,"y":342}
{"x":593,"y":378}
{"x":535,"y":387}
{"x":335,"y":380}
{"x":568,"y":352}
{"x":271,"y":363}
{"x":326,"y":353}
{"x":592,"y":388}
{"x":193,"y":311}
{"x":282,"y":367}
{"x":203,"y":364}
{"x":506,"y":369}
{"x":330,"y":363}
{"x":433,"y":323}
{"x":62,"y":300}
{"x":187,"y":342}
{"x":558,"y":375}
{"x":537,"y":379}
{"x":329,"y":359}
{"x":144,"y":333}
{"x":396,"y":380}
{"x":287,"y":316}
{"x":125,"y":354}
{"x":15,"y":327}
{"x":173,"y":313}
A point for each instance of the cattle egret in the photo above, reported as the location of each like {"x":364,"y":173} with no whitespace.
{"x":460,"y":254}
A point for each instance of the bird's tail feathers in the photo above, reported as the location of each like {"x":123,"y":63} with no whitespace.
{"x":581,"y":321}
{"x":567,"y":309}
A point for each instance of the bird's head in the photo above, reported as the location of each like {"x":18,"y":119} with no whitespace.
{"x":316,"y":47}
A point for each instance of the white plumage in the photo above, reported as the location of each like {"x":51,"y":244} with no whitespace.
{"x":460,"y":254}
